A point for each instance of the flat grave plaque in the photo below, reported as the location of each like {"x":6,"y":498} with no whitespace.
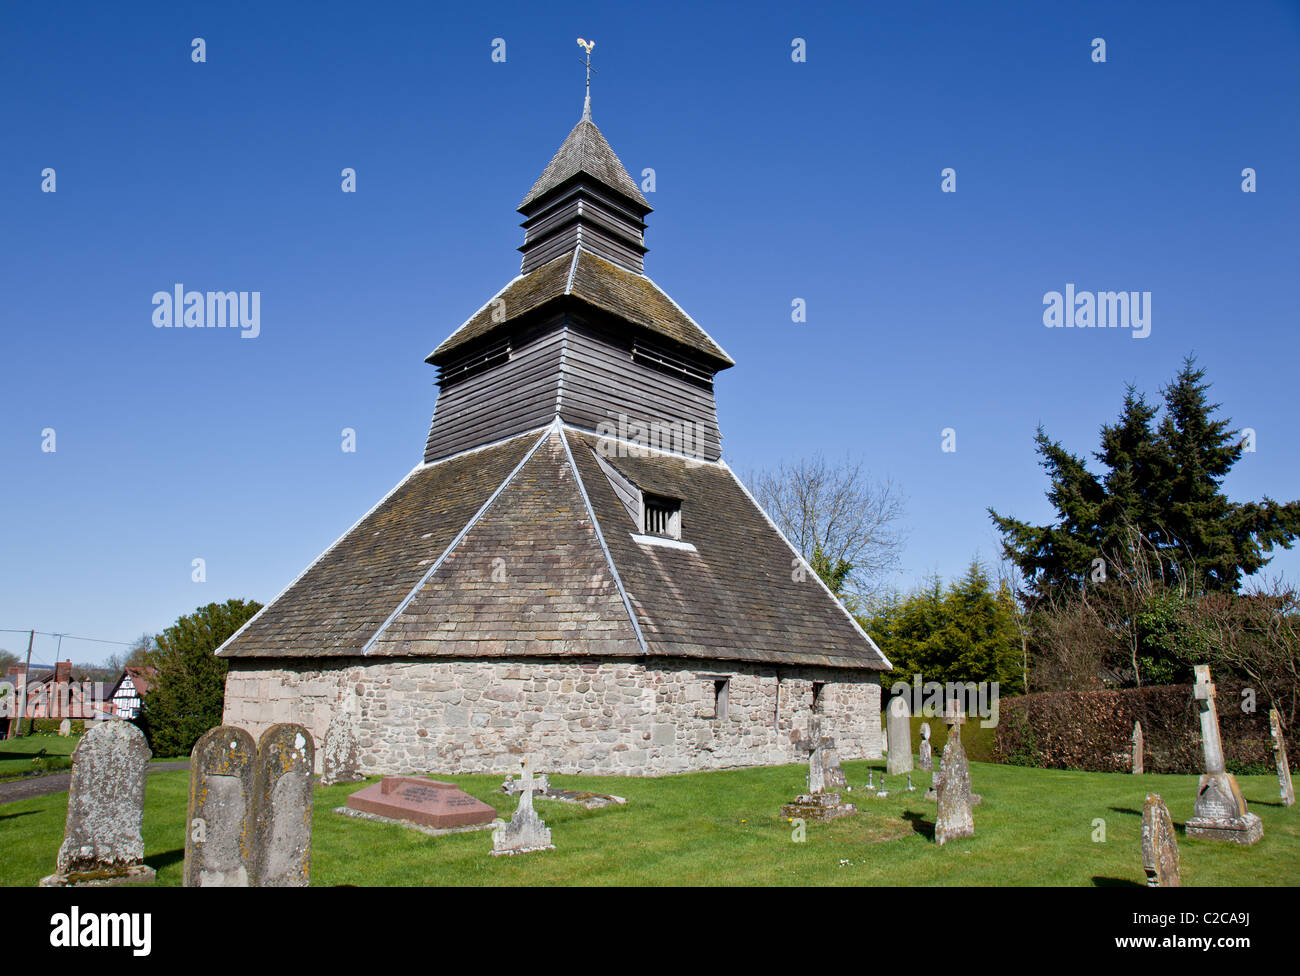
{"x":426,"y":802}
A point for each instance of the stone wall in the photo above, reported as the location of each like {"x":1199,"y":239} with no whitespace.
{"x":590,"y":716}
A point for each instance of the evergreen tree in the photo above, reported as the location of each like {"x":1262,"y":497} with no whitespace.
{"x":1159,"y":509}
{"x":188,"y":693}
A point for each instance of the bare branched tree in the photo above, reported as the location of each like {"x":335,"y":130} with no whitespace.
{"x":837,"y":514}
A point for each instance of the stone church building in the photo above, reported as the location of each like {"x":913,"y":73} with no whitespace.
{"x":572,"y":572}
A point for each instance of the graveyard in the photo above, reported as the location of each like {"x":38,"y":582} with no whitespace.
{"x":1034,"y":827}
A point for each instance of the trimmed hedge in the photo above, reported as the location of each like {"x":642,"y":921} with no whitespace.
{"x":1093,"y":731}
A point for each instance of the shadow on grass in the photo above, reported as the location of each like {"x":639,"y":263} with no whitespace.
{"x":920,"y":824}
{"x":1115,"y":883}
{"x":164,"y":858}
{"x":10,"y":816}
{"x":1136,"y":813}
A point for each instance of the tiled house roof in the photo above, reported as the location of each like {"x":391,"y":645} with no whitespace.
{"x":597,"y":282}
{"x":419,"y":576}
{"x":585,"y":150}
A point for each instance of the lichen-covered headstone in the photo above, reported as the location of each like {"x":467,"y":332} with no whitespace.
{"x":220,"y":839}
{"x":102,"y":842}
{"x":526,"y":831}
{"x":282,"y":806}
{"x":1159,"y":845}
{"x":1285,"y":786}
{"x":900,"y":737}
{"x":1138,"y":748}
{"x":65,"y":727}
{"x":925,"y":754}
{"x":952,"y":787}
{"x":340,"y":754}
{"x":1220,"y":812}
{"x":833,"y":778}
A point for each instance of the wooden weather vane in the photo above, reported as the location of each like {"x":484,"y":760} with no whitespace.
{"x":587,"y":46}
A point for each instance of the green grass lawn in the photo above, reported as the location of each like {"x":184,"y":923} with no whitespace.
{"x":17,"y":755}
{"x":1035,"y":827}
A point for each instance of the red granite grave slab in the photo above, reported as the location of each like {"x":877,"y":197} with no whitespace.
{"x":421,"y":801}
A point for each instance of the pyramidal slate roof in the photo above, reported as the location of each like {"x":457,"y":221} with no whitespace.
{"x":596,"y":282}
{"x":523,"y":549}
{"x":585,"y":150}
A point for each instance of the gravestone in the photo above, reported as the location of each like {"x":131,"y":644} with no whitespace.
{"x":1159,"y":845}
{"x":1220,"y":812}
{"x":925,"y":759}
{"x":340,"y":754}
{"x":526,"y":831}
{"x":541,"y":785}
{"x":1279,"y":753}
{"x":1138,"y":748}
{"x":65,"y":727}
{"x":282,"y":802}
{"x":427,"y":802}
{"x":220,"y":840}
{"x":102,"y":843}
{"x":900,"y":737}
{"x":954,"y":819}
{"x":826,"y":778}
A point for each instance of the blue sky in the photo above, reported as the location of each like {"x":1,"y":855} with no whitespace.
{"x":775,"y":180}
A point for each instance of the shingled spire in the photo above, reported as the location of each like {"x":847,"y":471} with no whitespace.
{"x":586,"y":198}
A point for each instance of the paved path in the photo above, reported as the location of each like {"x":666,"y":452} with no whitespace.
{"x":30,"y":786}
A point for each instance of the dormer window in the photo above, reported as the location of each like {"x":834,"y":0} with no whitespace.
{"x":661,"y":516}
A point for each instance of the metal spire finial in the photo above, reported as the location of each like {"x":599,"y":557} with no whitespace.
{"x":586,"y":105}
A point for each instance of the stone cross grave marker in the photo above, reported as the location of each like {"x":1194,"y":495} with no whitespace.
{"x":954,"y":819}
{"x":1138,"y":749}
{"x":526,"y":831}
{"x":220,"y":840}
{"x":1159,"y":845}
{"x":925,"y":759}
{"x":900,"y":737}
{"x":102,"y":843}
{"x":282,"y":806}
{"x":1220,"y":812}
{"x":1285,"y":786}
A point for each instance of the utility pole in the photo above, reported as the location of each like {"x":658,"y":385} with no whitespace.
{"x":16,"y":729}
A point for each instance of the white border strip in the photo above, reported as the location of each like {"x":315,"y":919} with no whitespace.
{"x":600,"y":537}
{"x":845,"y":610}
{"x":437,"y":563}
{"x":655,"y":540}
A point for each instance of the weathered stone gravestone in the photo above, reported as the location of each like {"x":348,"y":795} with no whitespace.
{"x":1279,"y":753}
{"x":900,"y":737}
{"x":1139,"y":747}
{"x":220,"y":849}
{"x":1159,"y":845}
{"x":1220,"y":812}
{"x":541,"y":785}
{"x":65,"y":727}
{"x":526,"y":831}
{"x":825,"y":780}
{"x":340,"y":754}
{"x":282,"y":806}
{"x":925,"y":759}
{"x":102,"y":843}
{"x":954,"y":819}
